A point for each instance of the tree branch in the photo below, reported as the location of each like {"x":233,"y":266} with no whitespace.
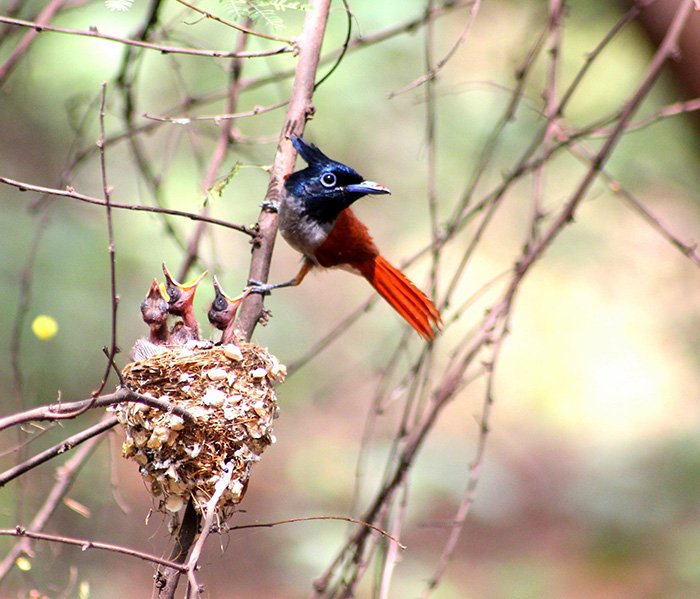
{"x":94,"y":33}
{"x":69,"y":192}
{"x":299,"y":111}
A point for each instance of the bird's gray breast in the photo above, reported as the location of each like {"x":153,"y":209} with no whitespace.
{"x":304,"y":234}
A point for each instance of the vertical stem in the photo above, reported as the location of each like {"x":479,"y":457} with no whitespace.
{"x":300,"y":109}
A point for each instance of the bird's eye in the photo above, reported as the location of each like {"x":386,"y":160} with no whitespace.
{"x":173,"y":293}
{"x":219,"y":304}
{"x":328,"y":180}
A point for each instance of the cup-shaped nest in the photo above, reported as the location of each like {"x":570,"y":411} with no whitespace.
{"x":229,"y":392}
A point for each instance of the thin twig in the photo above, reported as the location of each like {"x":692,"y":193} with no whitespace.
{"x":242,"y":28}
{"x":113,"y":348}
{"x":299,"y":110}
{"x":217,"y":158}
{"x":227,"y":116}
{"x":65,"y":476}
{"x":86,"y":544}
{"x":105,"y":424}
{"x":551,"y":112}
{"x":42,"y":19}
{"x":689,"y":250}
{"x":434,"y":70}
{"x":209,"y":516}
{"x":63,"y":411}
{"x":94,"y":33}
{"x":69,"y":192}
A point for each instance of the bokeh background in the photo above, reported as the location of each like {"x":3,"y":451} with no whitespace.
{"x":591,"y":482}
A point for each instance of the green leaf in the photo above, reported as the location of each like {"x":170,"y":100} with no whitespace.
{"x":215,"y":191}
{"x":266,"y":11}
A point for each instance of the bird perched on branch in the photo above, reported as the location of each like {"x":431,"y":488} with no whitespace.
{"x":315,"y":219}
{"x":180,"y":303}
{"x":222,"y":313}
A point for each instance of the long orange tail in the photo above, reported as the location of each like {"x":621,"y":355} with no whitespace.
{"x":404,"y":296}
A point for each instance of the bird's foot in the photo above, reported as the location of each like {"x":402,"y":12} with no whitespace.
{"x":270,"y":205}
{"x":255,"y":286}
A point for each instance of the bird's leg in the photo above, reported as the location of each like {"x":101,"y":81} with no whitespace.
{"x":265,"y":288}
{"x":270,"y":205}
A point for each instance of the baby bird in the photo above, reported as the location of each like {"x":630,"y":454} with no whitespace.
{"x":180,"y":303}
{"x":222,"y":313}
{"x":154,"y":311}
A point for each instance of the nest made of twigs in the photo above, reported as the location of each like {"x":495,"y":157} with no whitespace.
{"x":229,"y":392}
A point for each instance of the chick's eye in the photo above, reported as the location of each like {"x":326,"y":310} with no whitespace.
{"x":219,"y":304}
{"x":328,"y":180}
{"x":173,"y":293}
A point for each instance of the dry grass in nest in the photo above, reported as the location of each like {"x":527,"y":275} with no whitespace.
{"x":229,"y":392}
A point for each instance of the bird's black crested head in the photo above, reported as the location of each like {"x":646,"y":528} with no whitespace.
{"x":326,"y":187}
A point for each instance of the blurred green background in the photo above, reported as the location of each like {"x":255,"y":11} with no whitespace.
{"x":591,"y":482}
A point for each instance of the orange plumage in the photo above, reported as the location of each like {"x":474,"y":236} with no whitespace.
{"x":315,"y":219}
{"x":349,"y":243}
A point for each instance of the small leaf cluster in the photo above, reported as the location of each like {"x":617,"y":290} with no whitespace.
{"x":265,"y":11}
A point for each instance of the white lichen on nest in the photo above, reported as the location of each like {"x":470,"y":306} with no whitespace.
{"x":229,"y":391}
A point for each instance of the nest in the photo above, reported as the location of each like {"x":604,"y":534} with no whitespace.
{"x":229,"y":392}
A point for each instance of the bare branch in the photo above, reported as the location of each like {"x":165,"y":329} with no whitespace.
{"x":86,"y":544}
{"x":105,"y":424}
{"x":94,"y":33}
{"x":209,"y":515}
{"x":241,"y":28}
{"x":69,"y":192}
{"x":434,"y":70}
{"x":62,"y":411}
{"x":113,"y":349}
{"x":217,"y":159}
{"x":42,"y":19}
{"x":300,"y":108}
{"x":65,"y":476}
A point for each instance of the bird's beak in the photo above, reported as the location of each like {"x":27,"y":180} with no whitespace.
{"x":223,"y":318}
{"x":182,"y":286}
{"x":219,"y":291}
{"x":156,"y":291}
{"x":192,"y":284}
{"x":367,"y":187}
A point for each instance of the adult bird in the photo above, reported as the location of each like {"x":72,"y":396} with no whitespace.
{"x":222,"y":313}
{"x":315,"y":218}
{"x":180,"y":303}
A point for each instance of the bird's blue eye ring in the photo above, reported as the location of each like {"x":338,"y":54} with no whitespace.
{"x":328,"y":180}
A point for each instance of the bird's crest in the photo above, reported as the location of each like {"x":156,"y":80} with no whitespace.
{"x":309,"y":152}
